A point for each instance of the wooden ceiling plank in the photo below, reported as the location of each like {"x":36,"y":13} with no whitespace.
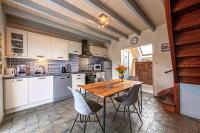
{"x":69,"y":30}
{"x":82,"y":13}
{"x":58,"y":15}
{"x":115,"y":15}
{"x":140,"y":14}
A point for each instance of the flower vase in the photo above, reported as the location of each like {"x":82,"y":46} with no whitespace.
{"x":121,"y":76}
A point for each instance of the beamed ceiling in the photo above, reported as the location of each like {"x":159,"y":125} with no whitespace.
{"x":79,"y":18}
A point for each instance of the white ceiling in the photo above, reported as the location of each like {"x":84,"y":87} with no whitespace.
{"x":153,"y":9}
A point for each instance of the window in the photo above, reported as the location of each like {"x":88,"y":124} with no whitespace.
{"x":145,"y":50}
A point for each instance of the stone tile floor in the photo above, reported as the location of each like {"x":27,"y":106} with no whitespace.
{"x":58,"y":118}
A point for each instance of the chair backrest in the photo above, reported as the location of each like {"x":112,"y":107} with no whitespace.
{"x":134,"y":78}
{"x":80,"y":104}
{"x":132,"y":96}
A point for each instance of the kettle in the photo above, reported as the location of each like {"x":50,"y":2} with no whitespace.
{"x":10,"y":72}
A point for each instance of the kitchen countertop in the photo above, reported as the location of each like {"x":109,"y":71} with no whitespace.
{"x":48,"y":74}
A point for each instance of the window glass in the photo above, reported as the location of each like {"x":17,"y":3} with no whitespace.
{"x":146,"y":50}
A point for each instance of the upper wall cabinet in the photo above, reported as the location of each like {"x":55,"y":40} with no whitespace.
{"x":98,"y":51}
{"x":39,"y":45}
{"x":59,"y":49}
{"x":16,"y":42}
{"x":75,"y":48}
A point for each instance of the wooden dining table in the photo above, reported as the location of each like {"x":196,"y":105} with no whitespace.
{"x":109,"y":88}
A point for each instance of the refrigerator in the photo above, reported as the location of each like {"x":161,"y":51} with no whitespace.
{"x":107,"y":68}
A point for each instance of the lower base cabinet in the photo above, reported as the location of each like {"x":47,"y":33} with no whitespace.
{"x":40,"y":89}
{"x":26,"y":92}
{"x":15,"y":93}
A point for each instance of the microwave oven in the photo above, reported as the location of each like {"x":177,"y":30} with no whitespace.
{"x":97,"y":67}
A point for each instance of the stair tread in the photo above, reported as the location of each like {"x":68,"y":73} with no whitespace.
{"x":168,"y":100}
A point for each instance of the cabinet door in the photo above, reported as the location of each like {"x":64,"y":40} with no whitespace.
{"x":100,"y":75}
{"x":75,"y":48}
{"x":104,"y":52}
{"x":40,"y":89}
{"x":15,"y":92}
{"x":39,"y":45}
{"x":78,"y":79}
{"x":59,"y":49}
{"x":16,"y":41}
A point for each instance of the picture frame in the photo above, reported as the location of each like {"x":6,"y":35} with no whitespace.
{"x":165,"y":47}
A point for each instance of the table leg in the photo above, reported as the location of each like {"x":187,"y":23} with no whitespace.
{"x":104,"y":115}
{"x":141,"y":99}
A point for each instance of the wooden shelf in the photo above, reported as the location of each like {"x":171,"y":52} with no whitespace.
{"x":190,"y":80}
{"x":189,"y":72}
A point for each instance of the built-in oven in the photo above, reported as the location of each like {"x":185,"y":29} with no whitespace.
{"x":90,"y":77}
{"x":97,"y":67}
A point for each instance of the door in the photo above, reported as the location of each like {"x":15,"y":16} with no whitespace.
{"x":126,"y":62}
{"x":59,"y":49}
{"x":39,"y":45}
{"x":40,"y":89}
{"x":16,"y":92}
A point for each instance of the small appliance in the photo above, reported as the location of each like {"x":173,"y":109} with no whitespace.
{"x":63,"y":69}
{"x":21,"y":70}
{"x":97,"y":67}
{"x":11,"y":72}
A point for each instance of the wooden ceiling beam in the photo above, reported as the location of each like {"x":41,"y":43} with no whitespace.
{"x":82,"y":13}
{"x":103,"y":7}
{"x":61,"y":16}
{"x":43,"y":23}
{"x":140,"y":14}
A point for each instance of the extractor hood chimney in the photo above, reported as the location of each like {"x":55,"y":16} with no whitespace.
{"x":85,"y":49}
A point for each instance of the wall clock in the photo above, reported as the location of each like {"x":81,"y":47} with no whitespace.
{"x":134,"y":40}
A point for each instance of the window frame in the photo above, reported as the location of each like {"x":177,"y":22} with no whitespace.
{"x":142,"y":54}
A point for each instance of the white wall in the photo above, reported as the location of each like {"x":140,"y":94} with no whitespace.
{"x":3,"y":38}
{"x":161,"y":61}
{"x":189,"y":100}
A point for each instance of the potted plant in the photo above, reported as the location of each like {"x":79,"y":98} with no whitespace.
{"x":121,"y":69}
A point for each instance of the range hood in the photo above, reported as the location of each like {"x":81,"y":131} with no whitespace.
{"x":85,"y":49}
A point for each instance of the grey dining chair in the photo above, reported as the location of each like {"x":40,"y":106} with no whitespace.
{"x":134,"y":78}
{"x":101,"y":80}
{"x":84,"y":107}
{"x":127,"y":100}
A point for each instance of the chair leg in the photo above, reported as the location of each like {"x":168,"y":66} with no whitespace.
{"x":85,"y":124}
{"x":129,"y":115}
{"x":113,"y":103}
{"x":124,"y":111}
{"x":98,"y":99}
{"x":138,"y":114}
{"x":116,"y":111}
{"x":99,"y":121}
{"x":74,"y":123}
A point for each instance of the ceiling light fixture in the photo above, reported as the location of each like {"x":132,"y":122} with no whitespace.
{"x":103,"y":20}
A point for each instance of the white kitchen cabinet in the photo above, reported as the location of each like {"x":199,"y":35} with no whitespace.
{"x":39,"y":46}
{"x":78,"y":79}
{"x":59,"y":49}
{"x":100,"y":75}
{"x":40,"y":89}
{"x":15,"y":92}
{"x":16,"y":42}
{"x":75,"y":48}
{"x":98,"y":51}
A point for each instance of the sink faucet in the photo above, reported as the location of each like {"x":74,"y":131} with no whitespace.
{"x":43,"y":69}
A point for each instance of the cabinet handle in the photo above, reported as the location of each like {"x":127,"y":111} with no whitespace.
{"x":40,"y":56}
{"x":62,"y":78}
{"x":42,"y":78}
{"x":16,"y":54}
{"x":78,"y":78}
{"x":60,"y":57}
{"x":78,"y":75}
{"x":75,"y":51}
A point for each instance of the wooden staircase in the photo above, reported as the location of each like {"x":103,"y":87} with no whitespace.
{"x":183,"y":23}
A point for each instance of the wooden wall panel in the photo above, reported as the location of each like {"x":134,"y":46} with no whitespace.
{"x":179,"y":5}
{"x":189,"y":72}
